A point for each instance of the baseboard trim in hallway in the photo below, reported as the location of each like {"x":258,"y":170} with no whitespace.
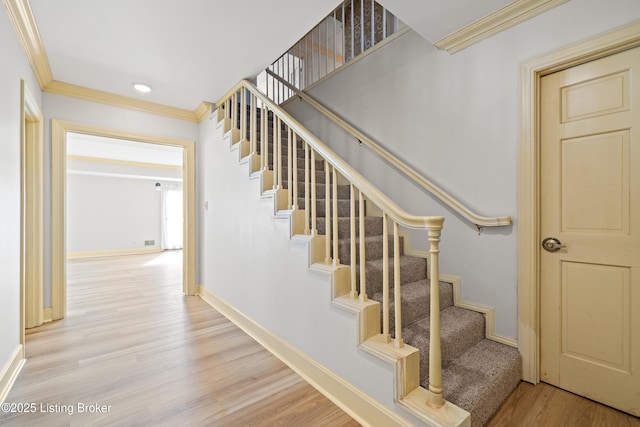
{"x":354,"y":402}
{"x":10,"y":372}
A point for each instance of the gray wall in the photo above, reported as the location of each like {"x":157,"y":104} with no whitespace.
{"x":455,"y":118}
{"x":112,"y":213}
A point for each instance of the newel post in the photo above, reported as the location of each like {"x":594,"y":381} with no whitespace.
{"x":435,"y":398}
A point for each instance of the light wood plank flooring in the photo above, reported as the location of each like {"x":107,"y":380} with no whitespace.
{"x":134,"y":345}
{"x":544,"y":405}
{"x":133,"y":342}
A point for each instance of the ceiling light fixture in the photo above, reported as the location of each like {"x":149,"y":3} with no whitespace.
{"x":141,"y":87}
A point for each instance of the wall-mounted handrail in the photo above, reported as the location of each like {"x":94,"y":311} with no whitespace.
{"x":478,"y":220}
{"x":231,"y":105}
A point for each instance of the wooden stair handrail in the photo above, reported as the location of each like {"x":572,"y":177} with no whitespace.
{"x":376,"y":196}
{"x":478,"y":220}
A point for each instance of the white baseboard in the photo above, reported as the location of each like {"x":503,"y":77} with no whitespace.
{"x":354,"y":402}
{"x":137,"y":251}
{"x":10,"y":372}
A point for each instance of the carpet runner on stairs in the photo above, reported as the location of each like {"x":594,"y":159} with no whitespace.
{"x":478,"y":374}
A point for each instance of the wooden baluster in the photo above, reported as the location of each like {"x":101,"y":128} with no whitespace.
{"x":373,"y":24}
{"x":313,"y":194}
{"x":353,"y":21}
{"x":234,"y":110}
{"x":277,"y":153}
{"x":263,"y":137}
{"x":352,"y":224}
{"x":386,"y":336}
{"x":327,"y":212}
{"x":243,"y":114}
{"x":435,"y":353}
{"x":326,"y":50}
{"x":362,"y":33}
{"x":253,"y":124}
{"x":397,"y":295}
{"x":363,"y":255}
{"x":307,"y":208}
{"x":335,"y":39}
{"x":336,"y":258}
{"x":294,"y":204}
{"x":290,"y":196}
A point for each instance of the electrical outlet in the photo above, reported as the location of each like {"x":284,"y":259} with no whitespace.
{"x":149,"y":242}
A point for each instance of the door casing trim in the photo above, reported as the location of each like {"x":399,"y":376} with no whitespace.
{"x":531,"y":71}
{"x":59,"y":132}
{"x":32,"y":205}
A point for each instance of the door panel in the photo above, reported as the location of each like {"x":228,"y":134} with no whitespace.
{"x":590,"y":202}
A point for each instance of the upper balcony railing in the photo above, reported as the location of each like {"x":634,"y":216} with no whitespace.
{"x":352,"y":28}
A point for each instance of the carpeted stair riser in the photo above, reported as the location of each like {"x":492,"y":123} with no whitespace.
{"x":372,"y":226}
{"x":300,"y":162}
{"x":320,"y":178}
{"x":344,"y":206}
{"x":343,"y":190}
{"x":412,"y":269}
{"x":460,"y":330}
{"x":373,"y":248}
{"x":416,"y":300}
{"x":482,"y":378}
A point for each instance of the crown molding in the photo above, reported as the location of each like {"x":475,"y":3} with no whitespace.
{"x":24,"y":24}
{"x":503,"y":18}
{"x":94,"y":95}
{"x":203,"y":110}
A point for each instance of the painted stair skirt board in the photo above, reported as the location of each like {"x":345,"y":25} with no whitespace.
{"x":478,"y":373}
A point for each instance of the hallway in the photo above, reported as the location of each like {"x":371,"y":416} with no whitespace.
{"x":134,"y":351}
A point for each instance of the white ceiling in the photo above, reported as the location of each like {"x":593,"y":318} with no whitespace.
{"x":119,"y":149}
{"x":191,"y":51}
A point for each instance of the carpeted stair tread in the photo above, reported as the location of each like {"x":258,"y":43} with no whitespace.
{"x":344,"y":206}
{"x":416,"y":300}
{"x":372,"y":226}
{"x":373,"y":248}
{"x":412,"y":269}
{"x":460,"y":329}
{"x":344,"y":191}
{"x":480,"y":379}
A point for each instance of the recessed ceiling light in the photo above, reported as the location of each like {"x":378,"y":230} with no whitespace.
{"x":141,"y":87}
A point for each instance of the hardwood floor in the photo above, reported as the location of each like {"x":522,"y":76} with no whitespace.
{"x":544,"y":405}
{"x":134,"y":351}
{"x":134,"y":346}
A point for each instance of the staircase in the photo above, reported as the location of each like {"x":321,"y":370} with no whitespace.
{"x":478,"y":374}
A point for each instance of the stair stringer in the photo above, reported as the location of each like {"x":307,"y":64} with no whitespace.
{"x":404,"y":361}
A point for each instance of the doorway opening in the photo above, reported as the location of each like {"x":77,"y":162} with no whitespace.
{"x":98,"y":175}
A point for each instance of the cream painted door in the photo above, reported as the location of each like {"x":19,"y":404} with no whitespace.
{"x":590,"y":202}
